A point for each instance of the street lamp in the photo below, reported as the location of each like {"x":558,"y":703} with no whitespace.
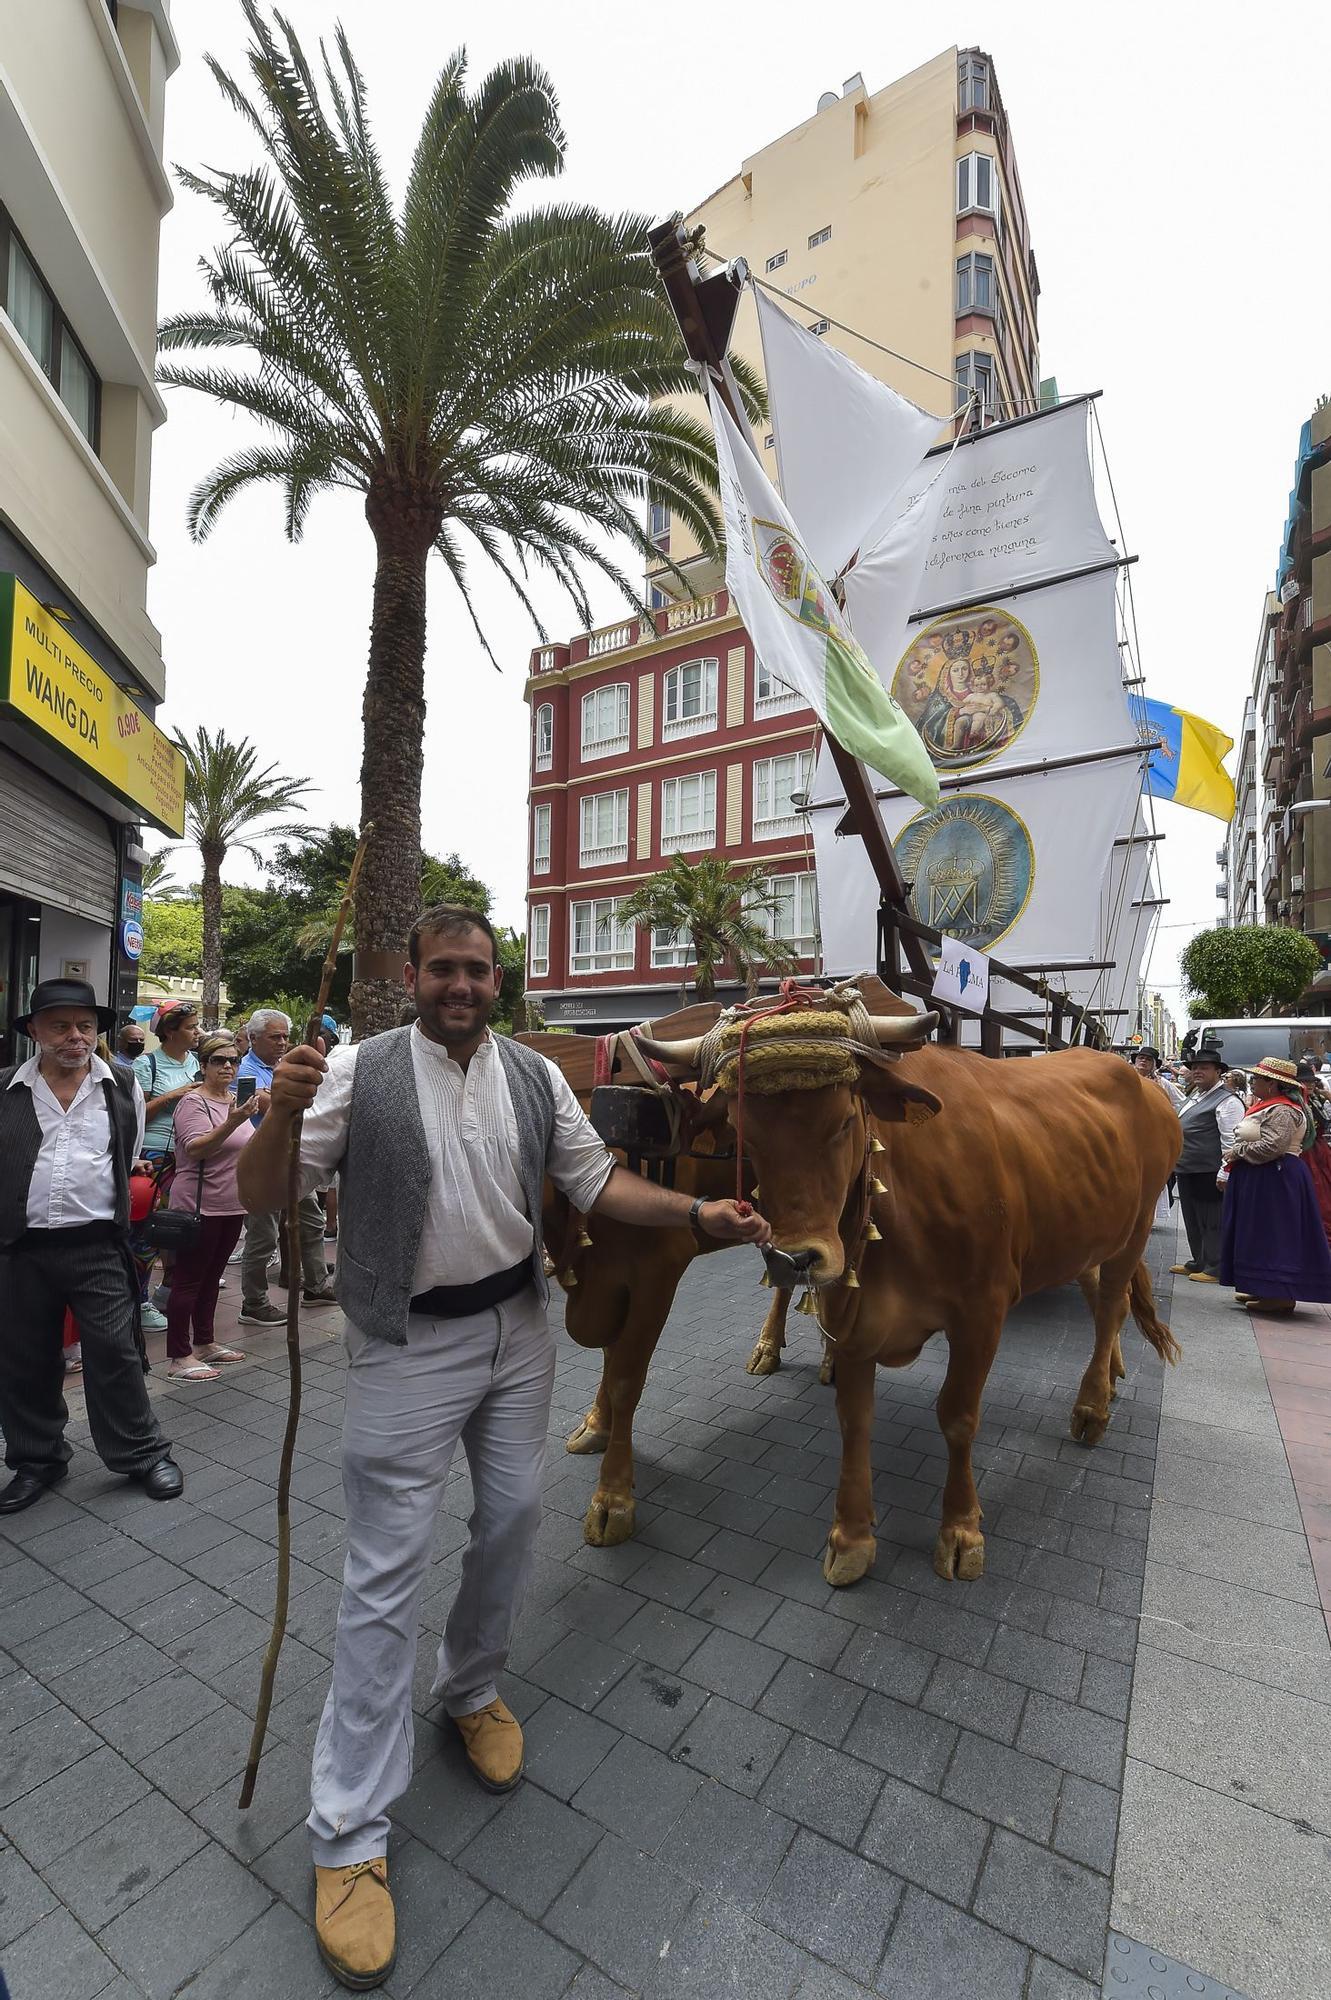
{"x":1308,"y":805}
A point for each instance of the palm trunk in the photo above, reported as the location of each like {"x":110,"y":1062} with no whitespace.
{"x":388,"y":894}
{"x":213,"y":855}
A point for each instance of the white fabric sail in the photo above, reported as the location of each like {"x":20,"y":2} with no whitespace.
{"x":846,"y":444}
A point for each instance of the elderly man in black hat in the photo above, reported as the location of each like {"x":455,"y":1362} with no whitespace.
{"x":1210,"y":1113}
{"x":1146,"y":1062}
{"x":70,"y":1130}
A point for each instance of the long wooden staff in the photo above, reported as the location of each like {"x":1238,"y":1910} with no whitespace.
{"x":313,"y":1029}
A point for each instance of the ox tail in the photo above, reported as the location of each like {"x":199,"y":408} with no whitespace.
{"x":1141,"y":1301}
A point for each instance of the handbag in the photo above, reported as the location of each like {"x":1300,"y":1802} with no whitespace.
{"x":176,"y":1230}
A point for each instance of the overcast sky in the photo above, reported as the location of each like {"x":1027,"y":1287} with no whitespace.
{"x":1172,"y":160}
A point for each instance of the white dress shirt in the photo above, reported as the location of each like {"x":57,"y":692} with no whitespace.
{"x":74,"y":1176}
{"x":476,"y":1220}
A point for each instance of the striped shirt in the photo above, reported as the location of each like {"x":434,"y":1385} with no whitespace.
{"x":476,"y":1220}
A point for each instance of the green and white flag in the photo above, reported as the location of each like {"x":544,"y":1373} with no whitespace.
{"x":798,"y":630}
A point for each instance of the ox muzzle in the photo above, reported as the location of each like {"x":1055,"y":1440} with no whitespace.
{"x":788,"y":1269}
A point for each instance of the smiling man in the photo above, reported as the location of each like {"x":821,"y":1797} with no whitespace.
{"x":71,"y":1128}
{"x":442,"y":1135}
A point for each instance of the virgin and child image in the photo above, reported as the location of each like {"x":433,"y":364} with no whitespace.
{"x":969,"y":685}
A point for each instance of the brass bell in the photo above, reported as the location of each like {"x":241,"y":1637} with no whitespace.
{"x":807,"y":1306}
{"x":753,"y":1194}
{"x":765,"y":1281}
{"x":584,"y":1241}
{"x":876,"y":1186}
{"x":850,"y":1281}
{"x":568,"y":1279}
{"x":873,"y":1234}
{"x":876,"y":1145}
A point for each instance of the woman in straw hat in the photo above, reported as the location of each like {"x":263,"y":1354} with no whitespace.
{"x":1273,"y":1247}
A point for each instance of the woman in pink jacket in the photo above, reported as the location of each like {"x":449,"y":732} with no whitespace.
{"x":211,"y":1133}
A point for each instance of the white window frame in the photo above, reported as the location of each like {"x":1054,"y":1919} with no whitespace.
{"x":767,"y":821}
{"x":591,"y":853}
{"x":967,"y":273}
{"x":658,"y":524}
{"x":771,"y":696}
{"x":820,"y":327}
{"x":672,"y":696}
{"x":968,"y":185}
{"x":540,"y":840}
{"x":667,"y":950}
{"x":545,"y":735}
{"x":605,"y":720}
{"x":823,"y":235}
{"x":968,"y":384}
{"x":796,"y":922}
{"x":688,"y":812}
{"x":777,"y":259}
{"x":538,"y":960}
{"x":609,"y":945}
{"x":974,"y":84}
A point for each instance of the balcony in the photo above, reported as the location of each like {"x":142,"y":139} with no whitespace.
{"x":598,"y":857}
{"x":689,"y":725}
{"x":613,"y":638}
{"x":691,"y":611}
{"x":696,"y":841}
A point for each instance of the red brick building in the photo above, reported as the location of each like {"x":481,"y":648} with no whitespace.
{"x":651,"y":739}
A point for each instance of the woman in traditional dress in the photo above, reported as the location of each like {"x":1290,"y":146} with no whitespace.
{"x":1273,"y":1247}
{"x":1318,"y":1154}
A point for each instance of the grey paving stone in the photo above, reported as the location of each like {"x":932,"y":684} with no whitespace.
{"x":1092,"y":1630}
{"x":671,"y":1580}
{"x":41,"y":1749}
{"x":1051,"y":1904}
{"x":59,"y":1649}
{"x":720,"y":1949}
{"x":816,"y":1703}
{"x":678,"y":1534}
{"x":1003,"y":1785}
{"x":1037,"y":1662}
{"x":167,"y":1619}
{"x":598,"y":1608}
{"x":926,"y":1840}
{"x":434,"y":1905}
{"x":735,"y":1555}
{"x":665,"y":1637}
{"x":529,"y":1849}
{"x":724,"y":1842}
{"x":961,"y":1634}
{"x":637,"y":1793}
{"x":620,"y":1910}
{"x":937,"y":1953}
{"x":46,"y":1822}
{"x":975,"y":1699}
{"x":22,"y":1697}
{"x":1106,"y":1686}
{"x":651,"y":1704}
{"x":1054,"y":1982}
{"x":1077,"y":1738}
{"x":20,"y":1577}
{"x":1087,"y":1828}
{"x":443,"y":1805}
{"x":281,"y":1793}
{"x":109,"y":1871}
{"x":824,"y":1982}
{"x":887,"y":1664}
{"x":833,"y":1903}
{"x":275,"y":1955}
{"x":57,"y":1960}
{"x":799,"y":1631}
{"x":39,"y":1611}
{"x":902,"y":1740}
{"x":736,"y":1667}
{"x":822,"y":1788}
{"x":216,"y":1646}
{"x":24,"y":1897}
{"x":731,"y":1744}
{"x":565,"y":1747}
{"x":580,"y":1669}
{"x":180,"y":1926}
{"x":738,"y":1607}
{"x":105,"y":1678}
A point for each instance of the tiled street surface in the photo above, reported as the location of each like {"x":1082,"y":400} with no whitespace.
{"x":740,"y":1782}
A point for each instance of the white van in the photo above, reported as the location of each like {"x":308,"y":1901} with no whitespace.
{"x":1245,"y":1042}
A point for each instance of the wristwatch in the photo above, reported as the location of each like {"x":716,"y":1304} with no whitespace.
{"x":695,"y":1212}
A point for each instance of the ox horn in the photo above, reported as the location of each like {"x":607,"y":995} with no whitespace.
{"x":891,"y":1028}
{"x":680,"y":1055}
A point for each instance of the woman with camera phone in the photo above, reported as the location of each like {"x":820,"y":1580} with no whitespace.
{"x":212,"y":1130}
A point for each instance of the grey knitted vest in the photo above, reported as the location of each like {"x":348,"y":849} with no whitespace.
{"x":21,"y":1141}
{"x":384,"y":1177}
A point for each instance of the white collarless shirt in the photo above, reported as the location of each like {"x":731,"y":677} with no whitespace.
{"x":74,"y":1175}
{"x":476,"y":1220}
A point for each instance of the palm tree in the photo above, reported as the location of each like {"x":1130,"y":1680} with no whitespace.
{"x":228,"y":803}
{"x":487,"y":379}
{"x":158,"y":880}
{"x":720,"y":910}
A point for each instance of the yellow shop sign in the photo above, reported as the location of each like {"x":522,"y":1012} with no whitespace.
{"x":53,"y":685}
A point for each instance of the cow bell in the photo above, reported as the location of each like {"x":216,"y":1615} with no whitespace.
{"x":568,"y":1279}
{"x":850,"y":1281}
{"x":584,"y":1241}
{"x":873,"y":1234}
{"x":876,"y":1186}
{"x":876,"y":1145}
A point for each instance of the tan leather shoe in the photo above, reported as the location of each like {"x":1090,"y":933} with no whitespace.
{"x":1202,"y":1278}
{"x":355,"y":1923}
{"x":492,"y":1739}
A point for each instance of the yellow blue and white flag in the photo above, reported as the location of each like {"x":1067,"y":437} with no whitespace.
{"x":1187,"y":768}
{"x":799,"y":632}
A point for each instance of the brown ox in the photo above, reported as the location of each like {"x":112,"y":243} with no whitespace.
{"x":1032,"y":1173}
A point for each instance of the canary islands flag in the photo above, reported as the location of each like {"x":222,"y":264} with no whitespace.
{"x":1187,"y":767}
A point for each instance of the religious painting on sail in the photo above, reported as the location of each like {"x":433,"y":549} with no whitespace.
{"x":969,"y":684}
{"x":969,"y":865}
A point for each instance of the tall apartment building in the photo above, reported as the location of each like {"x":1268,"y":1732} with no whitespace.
{"x":82,"y":765}
{"x":898,"y":214}
{"x":1277,"y":858}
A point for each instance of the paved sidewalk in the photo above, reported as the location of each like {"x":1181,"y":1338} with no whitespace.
{"x":740,"y":1781}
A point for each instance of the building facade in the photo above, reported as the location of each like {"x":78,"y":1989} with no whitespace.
{"x":82,"y":765}
{"x":898,"y":214}
{"x":1277,"y":857}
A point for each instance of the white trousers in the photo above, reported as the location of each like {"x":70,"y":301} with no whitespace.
{"x":488,"y":1380}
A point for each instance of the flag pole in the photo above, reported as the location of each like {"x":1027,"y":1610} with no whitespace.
{"x":705,"y":309}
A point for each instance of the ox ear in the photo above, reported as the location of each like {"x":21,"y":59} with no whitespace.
{"x":889,"y":1096}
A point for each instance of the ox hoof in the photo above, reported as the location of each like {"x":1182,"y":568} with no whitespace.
{"x":959,"y":1554}
{"x":607,"y":1522}
{"x":764,"y":1360}
{"x":848,"y":1565}
{"x":586,"y":1438}
{"x":1087,"y":1426}
{"x":827,"y":1371}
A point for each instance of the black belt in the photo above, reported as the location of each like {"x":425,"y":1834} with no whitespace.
{"x":79,"y":1232}
{"x":457,"y":1301}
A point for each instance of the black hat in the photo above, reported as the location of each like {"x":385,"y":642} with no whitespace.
{"x":1146,"y":1050}
{"x":1205,"y":1052}
{"x":64,"y":993}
